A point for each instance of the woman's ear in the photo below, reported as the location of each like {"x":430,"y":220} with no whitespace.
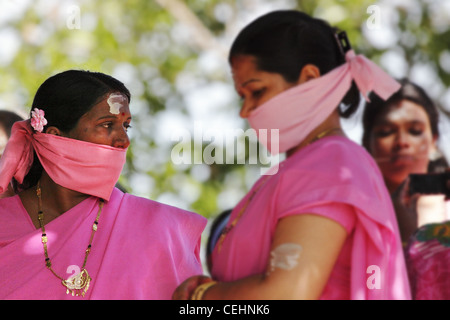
{"x":308,"y":72}
{"x":53,"y":130}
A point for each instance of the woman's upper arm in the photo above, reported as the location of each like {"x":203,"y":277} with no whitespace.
{"x":303,"y":253}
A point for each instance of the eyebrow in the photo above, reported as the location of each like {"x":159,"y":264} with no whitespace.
{"x":110,"y":117}
{"x":387,"y":122}
{"x":248,"y":81}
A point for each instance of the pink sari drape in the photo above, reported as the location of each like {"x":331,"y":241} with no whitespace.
{"x":328,"y":172}
{"x":142,"y":249}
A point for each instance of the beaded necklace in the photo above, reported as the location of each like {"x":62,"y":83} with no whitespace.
{"x":77,"y":284}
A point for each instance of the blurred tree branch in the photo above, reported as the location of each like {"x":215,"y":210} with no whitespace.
{"x":202,"y":36}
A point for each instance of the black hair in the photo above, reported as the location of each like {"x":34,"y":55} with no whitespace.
{"x":285,"y":41}
{"x":65,"y":98}
{"x":408,"y":91}
{"x":68,"y":95}
{"x":217,"y":227}
{"x":7,"y":119}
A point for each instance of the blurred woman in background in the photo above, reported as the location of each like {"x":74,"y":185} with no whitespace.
{"x":402,"y":133}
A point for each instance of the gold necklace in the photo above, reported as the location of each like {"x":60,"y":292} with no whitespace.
{"x":78,"y":284}
{"x":323,"y":134}
{"x":233,"y":223}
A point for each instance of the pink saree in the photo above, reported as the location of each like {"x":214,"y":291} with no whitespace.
{"x":142,"y":249}
{"x":336,"y":178}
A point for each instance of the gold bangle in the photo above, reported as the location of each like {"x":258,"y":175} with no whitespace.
{"x":201,"y":289}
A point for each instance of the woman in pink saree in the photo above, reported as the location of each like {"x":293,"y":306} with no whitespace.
{"x":68,"y":233}
{"x":402,"y":135}
{"x":321,"y":224}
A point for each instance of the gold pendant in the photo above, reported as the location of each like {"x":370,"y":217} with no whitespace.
{"x":78,"y":284}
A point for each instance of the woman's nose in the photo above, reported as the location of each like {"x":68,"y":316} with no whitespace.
{"x":122,"y":140}
{"x":245,"y":110}
{"x":402,"y":140}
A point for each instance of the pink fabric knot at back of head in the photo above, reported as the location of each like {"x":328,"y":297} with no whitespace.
{"x":370,"y":77}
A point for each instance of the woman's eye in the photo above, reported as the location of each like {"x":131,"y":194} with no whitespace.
{"x":257,"y":93}
{"x":416,"y":131}
{"x":107,"y":124}
{"x":383,"y":132}
{"x":127,"y":126}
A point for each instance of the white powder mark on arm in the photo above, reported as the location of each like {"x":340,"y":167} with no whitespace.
{"x":286,"y":256}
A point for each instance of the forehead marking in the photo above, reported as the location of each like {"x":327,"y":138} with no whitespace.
{"x":115,"y":102}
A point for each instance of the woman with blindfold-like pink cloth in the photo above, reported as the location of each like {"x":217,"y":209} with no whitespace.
{"x":321,"y":225}
{"x":68,"y":233}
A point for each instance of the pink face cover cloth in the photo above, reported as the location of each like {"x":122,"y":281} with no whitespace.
{"x":74,"y":164}
{"x":299,"y":110}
